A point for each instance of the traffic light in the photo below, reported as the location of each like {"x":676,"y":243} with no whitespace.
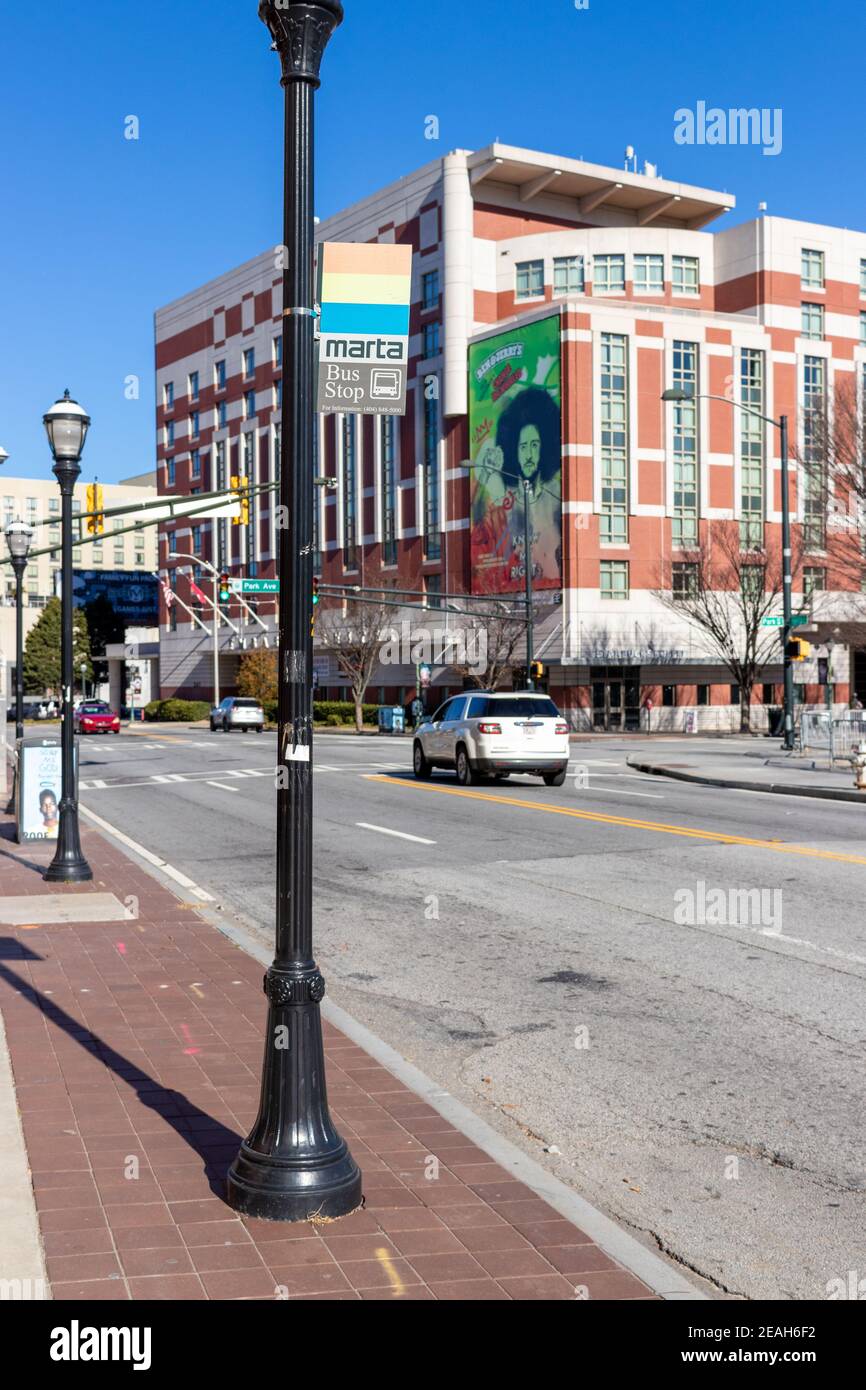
{"x":315,"y":602}
{"x":536,"y":670}
{"x":241,"y":488}
{"x":316,"y":583}
{"x":796,"y":649}
{"x":96,"y":519}
{"x":225,"y":591}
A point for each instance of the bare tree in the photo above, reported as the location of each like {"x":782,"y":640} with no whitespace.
{"x":832,"y":463}
{"x":494,"y":636}
{"x":356,"y":642}
{"x":726,"y":592}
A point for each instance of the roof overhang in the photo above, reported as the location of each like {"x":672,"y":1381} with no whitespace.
{"x":529,"y":175}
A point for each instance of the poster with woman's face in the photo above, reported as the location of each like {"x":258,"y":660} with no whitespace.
{"x":515,"y":445}
{"x":40,"y":792}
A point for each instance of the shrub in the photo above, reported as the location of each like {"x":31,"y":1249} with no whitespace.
{"x":333,"y":721}
{"x":174,"y":711}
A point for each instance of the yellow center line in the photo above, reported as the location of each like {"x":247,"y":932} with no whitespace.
{"x":658,"y":827}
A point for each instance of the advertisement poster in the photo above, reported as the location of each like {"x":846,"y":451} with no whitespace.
{"x":41,"y":783}
{"x":515,"y":436}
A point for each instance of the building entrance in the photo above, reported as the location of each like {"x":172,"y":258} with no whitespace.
{"x":615,"y":697}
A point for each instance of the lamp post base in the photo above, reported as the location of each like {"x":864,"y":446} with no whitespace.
{"x":294,"y":1166}
{"x":69,"y":864}
{"x":68,"y":871}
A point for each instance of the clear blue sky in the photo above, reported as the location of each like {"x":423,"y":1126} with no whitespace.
{"x":96,"y":231}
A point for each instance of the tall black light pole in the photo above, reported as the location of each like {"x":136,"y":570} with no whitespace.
{"x":18,"y":538}
{"x":294,"y":1164}
{"x":66,"y":425}
{"x":527,"y":565}
{"x":677,"y":396}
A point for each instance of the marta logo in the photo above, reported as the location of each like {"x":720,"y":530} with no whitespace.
{"x":77,"y":1343}
{"x":383,"y":349}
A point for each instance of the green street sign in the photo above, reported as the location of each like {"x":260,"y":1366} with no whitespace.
{"x":775,"y":620}
{"x":255,"y":586}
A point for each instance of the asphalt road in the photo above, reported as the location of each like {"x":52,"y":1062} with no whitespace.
{"x":693,"y":1058}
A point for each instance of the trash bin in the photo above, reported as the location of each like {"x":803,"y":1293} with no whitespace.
{"x":775,"y":721}
{"x":386,"y":718}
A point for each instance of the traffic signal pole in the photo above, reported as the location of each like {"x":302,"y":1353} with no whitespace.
{"x":216,"y":639}
{"x":787,"y":579}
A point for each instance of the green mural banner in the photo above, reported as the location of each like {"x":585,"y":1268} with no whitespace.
{"x":515,"y":443}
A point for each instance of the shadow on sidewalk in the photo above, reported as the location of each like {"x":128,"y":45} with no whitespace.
{"x":212,"y":1141}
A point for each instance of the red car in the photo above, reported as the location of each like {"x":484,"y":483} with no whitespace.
{"x":96,"y":717}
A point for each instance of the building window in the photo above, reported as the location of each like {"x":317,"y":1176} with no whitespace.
{"x":814,"y":581}
{"x":96,"y":554}
{"x":812,"y":321}
{"x":350,"y":538}
{"x":703,"y":694}
{"x":194,"y":425}
{"x":196,"y":540}
{"x":684,"y":579}
{"x":669,"y":695}
{"x":430,"y":340}
{"x":249,"y":363}
{"x":752,"y":582}
{"x":614,"y":438}
{"x":119,"y":549}
{"x":568,"y":275}
{"x":530,"y":279}
{"x":608,"y":274}
{"x":389,"y":491}
{"x":249,"y":404}
{"x":863,"y":277}
{"x":249,"y":473}
{"x":733,"y":694}
{"x":432,"y":541}
{"x":751,"y":449}
{"x":430,"y":290}
{"x":814,"y":481}
{"x":221,"y":415}
{"x":614,"y":579}
{"x":684,"y":527}
{"x":219,"y":486}
{"x":649,"y":274}
{"x":862,"y":327}
{"x":685,"y":275}
{"x":169,"y":472}
{"x":168,"y":395}
{"x":169,"y":434}
{"x":193,"y":386}
{"x":433,"y":589}
{"x":768,"y":693}
{"x":219,"y":375}
{"x":812,"y":269}
{"x":278,"y":394}
{"x":278,"y":350}
{"x":195,"y":463}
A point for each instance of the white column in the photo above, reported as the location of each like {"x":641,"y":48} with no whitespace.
{"x":457,"y":220}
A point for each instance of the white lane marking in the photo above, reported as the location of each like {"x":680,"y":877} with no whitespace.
{"x":159,"y":778}
{"x":99,"y":783}
{"x":222,"y":787}
{"x":169,"y":869}
{"x":323,"y":767}
{"x":625,"y":791}
{"x":399,"y":834}
{"x":176,"y":777}
{"x":592,"y":762}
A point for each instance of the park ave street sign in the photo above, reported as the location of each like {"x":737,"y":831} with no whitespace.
{"x":254,"y":586}
{"x":776,"y":620}
{"x":363,"y":343}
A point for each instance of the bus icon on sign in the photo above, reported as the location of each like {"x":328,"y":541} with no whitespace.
{"x":385,"y":383}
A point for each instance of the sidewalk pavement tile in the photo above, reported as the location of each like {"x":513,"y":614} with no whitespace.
{"x":135,"y":1050}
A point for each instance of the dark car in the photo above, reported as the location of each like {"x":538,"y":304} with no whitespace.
{"x":95,"y":717}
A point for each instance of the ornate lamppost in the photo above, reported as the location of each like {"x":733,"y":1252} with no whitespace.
{"x":18,"y":538}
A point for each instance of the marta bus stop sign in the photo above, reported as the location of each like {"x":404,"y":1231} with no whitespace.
{"x":363,"y":344}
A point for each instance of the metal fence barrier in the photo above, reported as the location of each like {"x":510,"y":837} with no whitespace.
{"x":834,"y":736}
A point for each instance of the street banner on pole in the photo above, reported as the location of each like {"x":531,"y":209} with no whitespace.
{"x":363,"y":346}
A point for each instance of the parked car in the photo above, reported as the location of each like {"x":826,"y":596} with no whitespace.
{"x":492,"y":734}
{"x":236,"y":713}
{"x":95,"y":717}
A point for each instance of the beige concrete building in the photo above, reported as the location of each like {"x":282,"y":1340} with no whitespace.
{"x":37,"y":501}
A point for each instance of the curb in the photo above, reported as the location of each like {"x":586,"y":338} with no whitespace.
{"x":659,"y":1274}
{"x":737,"y":784}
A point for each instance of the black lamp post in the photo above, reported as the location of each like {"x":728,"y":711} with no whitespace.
{"x":66,"y":425}
{"x":677,"y":396}
{"x":18,"y":538}
{"x":294,"y":1164}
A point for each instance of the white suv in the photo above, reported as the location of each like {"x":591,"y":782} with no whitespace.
{"x":492,"y":734}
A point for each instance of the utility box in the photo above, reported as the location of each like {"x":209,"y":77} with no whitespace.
{"x":391,"y":719}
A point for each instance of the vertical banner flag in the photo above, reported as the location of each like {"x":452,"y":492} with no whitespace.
{"x":515,"y":436}
{"x":363,"y":347}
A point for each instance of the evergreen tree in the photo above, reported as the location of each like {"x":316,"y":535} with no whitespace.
{"x":42,"y":650}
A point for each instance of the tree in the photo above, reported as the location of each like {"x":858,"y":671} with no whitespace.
{"x":42,"y":674}
{"x":257,"y":675}
{"x":832,"y":463}
{"x":726,"y":592}
{"x":356,"y":642}
{"x":497,"y":636}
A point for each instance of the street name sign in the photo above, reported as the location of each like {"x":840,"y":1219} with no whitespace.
{"x":364,"y":290}
{"x":254,"y":586}
{"x":776,"y":620}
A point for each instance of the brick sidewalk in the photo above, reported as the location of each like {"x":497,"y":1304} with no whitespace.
{"x":136,"y":1049}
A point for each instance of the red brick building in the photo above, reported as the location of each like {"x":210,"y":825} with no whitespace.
{"x":770,"y":313}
